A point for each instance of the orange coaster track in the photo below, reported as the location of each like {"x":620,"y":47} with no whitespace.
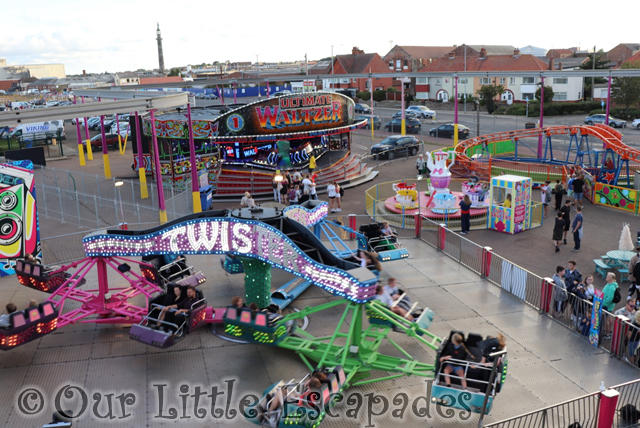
{"x":611,"y":138}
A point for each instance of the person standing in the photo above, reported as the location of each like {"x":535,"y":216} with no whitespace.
{"x":576,"y":228}
{"x":566,"y":215}
{"x":578,"y":188}
{"x":634,"y":287}
{"x":331,"y":194}
{"x":560,"y":295}
{"x":421,"y":165}
{"x":558,"y":228}
{"x":546,"y":196}
{"x":465,"y":215}
{"x":607,"y":301}
{"x":312,"y":163}
{"x":338,"y":201}
{"x":558,"y":191}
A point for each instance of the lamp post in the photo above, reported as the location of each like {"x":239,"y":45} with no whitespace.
{"x":118,"y":184}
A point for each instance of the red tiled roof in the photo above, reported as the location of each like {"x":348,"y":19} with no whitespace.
{"x":355,"y":63}
{"x":489,"y":63}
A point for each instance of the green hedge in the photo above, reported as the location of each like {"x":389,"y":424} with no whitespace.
{"x":552,"y":109}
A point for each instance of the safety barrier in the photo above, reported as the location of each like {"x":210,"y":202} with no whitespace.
{"x":614,"y":407}
{"x":612,"y":332}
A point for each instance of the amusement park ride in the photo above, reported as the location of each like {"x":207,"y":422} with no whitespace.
{"x":152,"y":265}
{"x":257,"y":240}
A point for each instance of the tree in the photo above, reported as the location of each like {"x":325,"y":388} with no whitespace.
{"x":625,"y":91}
{"x":601,"y":64}
{"x":548,"y":94}
{"x":488,"y":93}
{"x":174,"y":72}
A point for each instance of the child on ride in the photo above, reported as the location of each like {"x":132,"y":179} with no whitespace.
{"x":455,"y":349}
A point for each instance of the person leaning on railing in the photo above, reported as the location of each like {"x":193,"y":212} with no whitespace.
{"x":634,"y":337}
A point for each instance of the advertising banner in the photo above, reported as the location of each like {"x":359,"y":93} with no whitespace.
{"x":596,"y":316}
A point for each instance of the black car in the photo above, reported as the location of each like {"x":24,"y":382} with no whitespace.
{"x":407,"y":115}
{"x":446,"y":131}
{"x":362,"y":108}
{"x":377,"y":123}
{"x":396,"y":145}
{"x":412,"y":126}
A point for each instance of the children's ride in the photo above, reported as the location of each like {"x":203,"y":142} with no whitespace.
{"x":406,"y":195}
{"x":440,"y":174}
{"x":484,"y":380}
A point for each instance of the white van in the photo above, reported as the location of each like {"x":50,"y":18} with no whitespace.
{"x":39,"y":132}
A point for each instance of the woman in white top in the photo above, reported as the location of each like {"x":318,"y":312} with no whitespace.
{"x":312,"y":191}
{"x":331,"y":193}
{"x":338,"y":202}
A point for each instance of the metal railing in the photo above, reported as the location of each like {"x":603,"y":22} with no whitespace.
{"x":579,"y":412}
{"x":92,"y":201}
{"x":583,"y":410}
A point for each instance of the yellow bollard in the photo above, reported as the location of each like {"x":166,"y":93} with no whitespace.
{"x":197,"y":203}
{"x":144,"y":194}
{"x":89,"y":151}
{"x":107,"y":166}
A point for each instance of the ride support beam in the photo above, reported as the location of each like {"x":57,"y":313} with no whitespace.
{"x":257,"y":282}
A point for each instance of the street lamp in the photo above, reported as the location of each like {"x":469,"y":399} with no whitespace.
{"x":118,"y":184}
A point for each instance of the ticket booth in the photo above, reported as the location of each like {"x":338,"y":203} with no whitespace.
{"x":510,"y":203}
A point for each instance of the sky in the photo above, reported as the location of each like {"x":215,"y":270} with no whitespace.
{"x":120,"y":35}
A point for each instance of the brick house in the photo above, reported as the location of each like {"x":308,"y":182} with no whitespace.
{"x":357,"y":62}
{"x":412,"y":58}
{"x":622,"y":53}
{"x":517,"y":88}
{"x":559,"y":53}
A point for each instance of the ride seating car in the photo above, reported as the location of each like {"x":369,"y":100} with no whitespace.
{"x":30,"y":324}
{"x":477,"y":375}
{"x":175,"y":331}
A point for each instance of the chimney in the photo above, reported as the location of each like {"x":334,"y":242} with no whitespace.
{"x":483,"y":53}
{"x":550,"y":63}
{"x":356,"y":51}
{"x":516,"y":52}
{"x":84,"y":73}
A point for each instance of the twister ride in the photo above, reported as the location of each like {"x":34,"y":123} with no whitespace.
{"x":259,"y":239}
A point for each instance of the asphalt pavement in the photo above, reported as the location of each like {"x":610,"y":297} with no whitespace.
{"x":532,"y":250}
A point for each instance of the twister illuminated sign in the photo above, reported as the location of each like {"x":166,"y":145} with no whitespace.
{"x":305,"y":216}
{"x":241,"y":237}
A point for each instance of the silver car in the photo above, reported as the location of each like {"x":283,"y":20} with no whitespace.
{"x":601,"y":118}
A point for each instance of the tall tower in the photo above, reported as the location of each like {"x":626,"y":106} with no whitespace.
{"x":160,"y":54}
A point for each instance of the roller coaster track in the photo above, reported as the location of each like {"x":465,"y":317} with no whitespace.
{"x":611,"y":138}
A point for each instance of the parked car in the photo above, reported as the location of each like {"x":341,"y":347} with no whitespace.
{"x":422,"y":111}
{"x":396,"y":145}
{"x":211,"y":96}
{"x":124,"y":128}
{"x":601,"y":118}
{"x":377,"y":123}
{"x":407,"y":115}
{"x":362,"y":108}
{"x":446,"y":131}
{"x":636,"y":124}
{"x":112,"y":141}
{"x":412,"y":125}
{"x":280,"y":93}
